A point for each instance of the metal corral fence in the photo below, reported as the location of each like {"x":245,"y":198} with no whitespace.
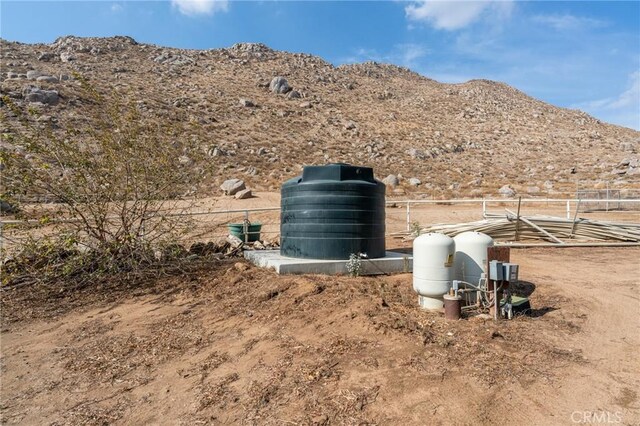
{"x":606,"y":199}
{"x":211,"y":225}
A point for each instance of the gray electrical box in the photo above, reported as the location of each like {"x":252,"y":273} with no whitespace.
{"x":496,"y":272}
{"x":510,"y":272}
{"x":499,"y":271}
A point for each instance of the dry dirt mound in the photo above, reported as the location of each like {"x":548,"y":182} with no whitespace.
{"x":238,"y":344}
{"x":457,"y":139}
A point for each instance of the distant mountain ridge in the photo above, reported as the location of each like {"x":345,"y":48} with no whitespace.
{"x":468,"y":139}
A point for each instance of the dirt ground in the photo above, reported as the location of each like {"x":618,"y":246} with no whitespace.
{"x":237,"y":344}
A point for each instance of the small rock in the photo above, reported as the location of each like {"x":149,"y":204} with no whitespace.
{"x":243,"y":194}
{"x":391,"y":180}
{"x":47,"y":79}
{"x":416,"y":154}
{"x":414,"y":182}
{"x":258,"y":245}
{"x":232,"y":186}
{"x":279,"y":85}
{"x":234,"y":241}
{"x":241,"y":266}
{"x":294,"y":94}
{"x":305,"y":105}
{"x":507,"y":191}
{"x":33,"y":74}
{"x":185,"y":160}
{"x":247,"y":103}
{"x":350,"y":125}
{"x":320,"y":420}
{"x":6,"y":207}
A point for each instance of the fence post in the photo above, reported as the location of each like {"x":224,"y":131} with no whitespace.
{"x":245,"y":226}
{"x":568,"y":209}
{"x":408,"y":217}
{"x":484,"y":208}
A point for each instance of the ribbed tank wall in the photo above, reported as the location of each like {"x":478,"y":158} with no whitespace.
{"x":331,"y":212}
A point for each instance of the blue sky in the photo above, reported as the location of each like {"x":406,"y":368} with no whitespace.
{"x":575,"y":54}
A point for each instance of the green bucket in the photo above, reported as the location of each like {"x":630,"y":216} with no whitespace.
{"x":253,"y":231}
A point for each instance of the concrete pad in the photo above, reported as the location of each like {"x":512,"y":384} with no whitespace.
{"x":392,"y":263}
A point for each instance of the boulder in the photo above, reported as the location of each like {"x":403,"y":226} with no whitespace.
{"x":245,"y":193}
{"x":507,"y":191}
{"x":67,"y":57}
{"x":279,"y":85}
{"x":35,"y":94}
{"x":627,"y":146}
{"x":46,"y":56}
{"x":232,"y":186}
{"x":391,"y":180}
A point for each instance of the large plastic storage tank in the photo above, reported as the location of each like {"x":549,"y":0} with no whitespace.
{"x":331,"y":212}
{"x":433,"y":256}
{"x":471,"y":256}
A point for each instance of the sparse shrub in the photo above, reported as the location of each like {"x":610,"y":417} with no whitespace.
{"x":114,"y":184}
{"x":354,"y":265}
{"x":416,"y":229}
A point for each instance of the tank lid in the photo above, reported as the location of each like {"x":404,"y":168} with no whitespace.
{"x":337,"y":172}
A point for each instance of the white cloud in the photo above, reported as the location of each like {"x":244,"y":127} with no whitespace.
{"x":623,"y":109}
{"x":116,"y":7}
{"x":410,"y":52}
{"x":200,"y":7}
{"x":568,"y":22}
{"x":454,"y":15}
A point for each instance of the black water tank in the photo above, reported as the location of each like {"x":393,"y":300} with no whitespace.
{"x":331,"y":212}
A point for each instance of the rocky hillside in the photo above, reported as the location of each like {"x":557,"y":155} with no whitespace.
{"x":452,"y":139}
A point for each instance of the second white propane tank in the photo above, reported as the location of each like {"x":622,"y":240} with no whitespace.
{"x":471,"y":256}
{"x":432,"y":268}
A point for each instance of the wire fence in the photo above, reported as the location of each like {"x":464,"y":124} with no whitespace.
{"x":263,"y":223}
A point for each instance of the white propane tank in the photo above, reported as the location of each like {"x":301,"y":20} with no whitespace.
{"x":471,"y":256}
{"x":432,"y":268}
